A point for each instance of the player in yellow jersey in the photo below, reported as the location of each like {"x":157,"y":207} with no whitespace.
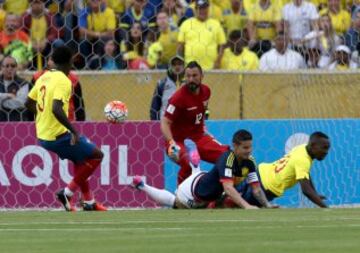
{"x":293,"y":168}
{"x":49,"y":100}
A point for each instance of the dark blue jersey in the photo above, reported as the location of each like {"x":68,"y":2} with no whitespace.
{"x":227,"y":168}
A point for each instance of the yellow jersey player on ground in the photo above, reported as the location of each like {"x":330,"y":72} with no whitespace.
{"x":294,"y":167}
{"x":49,"y":100}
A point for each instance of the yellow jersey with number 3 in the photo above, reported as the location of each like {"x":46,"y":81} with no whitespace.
{"x":286,"y":172}
{"x":52,"y":85}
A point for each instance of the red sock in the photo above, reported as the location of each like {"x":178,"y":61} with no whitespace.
{"x":82,"y":173}
{"x":85,"y":190}
{"x":72,"y":186}
{"x":85,"y":170}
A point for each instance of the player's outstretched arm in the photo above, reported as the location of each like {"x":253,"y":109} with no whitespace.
{"x":260,"y":196}
{"x":173,"y":150}
{"x":31,"y":105}
{"x":312,"y":185}
{"x":60,"y":115}
{"x":310,"y":193}
{"x":236,"y":197}
{"x":165,"y":125}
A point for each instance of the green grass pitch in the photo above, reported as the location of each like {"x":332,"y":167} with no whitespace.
{"x":277,"y":231}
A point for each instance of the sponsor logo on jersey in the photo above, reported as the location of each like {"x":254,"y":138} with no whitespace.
{"x":228,"y":172}
{"x":244,"y":171}
{"x":170,"y":109}
{"x":191,"y":108}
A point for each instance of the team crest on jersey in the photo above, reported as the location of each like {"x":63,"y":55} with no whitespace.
{"x":244,"y":171}
{"x":170,"y":109}
{"x":228,"y":172}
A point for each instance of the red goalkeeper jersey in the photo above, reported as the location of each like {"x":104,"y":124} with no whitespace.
{"x":187,"y":112}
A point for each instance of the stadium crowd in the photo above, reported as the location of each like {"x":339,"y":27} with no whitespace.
{"x":219,"y":34}
{"x":241,"y":35}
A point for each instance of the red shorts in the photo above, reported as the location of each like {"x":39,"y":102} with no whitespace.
{"x":209,"y":150}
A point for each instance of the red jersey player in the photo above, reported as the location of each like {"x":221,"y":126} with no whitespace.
{"x":184,"y":118}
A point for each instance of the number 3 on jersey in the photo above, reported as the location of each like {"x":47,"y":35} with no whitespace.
{"x":198,"y":118}
{"x":41,"y":101}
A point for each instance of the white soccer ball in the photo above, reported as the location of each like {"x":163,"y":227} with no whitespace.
{"x":116,"y":111}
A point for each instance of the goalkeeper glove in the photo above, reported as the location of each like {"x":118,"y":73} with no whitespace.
{"x":173,"y":151}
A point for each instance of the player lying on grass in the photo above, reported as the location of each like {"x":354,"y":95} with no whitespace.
{"x":277,"y":177}
{"x":201,"y":188}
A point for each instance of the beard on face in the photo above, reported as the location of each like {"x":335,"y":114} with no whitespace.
{"x":193,"y":86}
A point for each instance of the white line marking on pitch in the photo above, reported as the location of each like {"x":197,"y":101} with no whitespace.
{"x":119,"y":222}
{"x":93,"y":229}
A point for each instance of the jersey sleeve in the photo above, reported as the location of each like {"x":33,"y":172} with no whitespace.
{"x":111,"y":19}
{"x":225,"y":167}
{"x":302,"y":169}
{"x":173,"y":109}
{"x":33,"y":94}
{"x":313,"y":12}
{"x":62,"y":90}
{"x":207,"y":93}
{"x":181,"y":35}
{"x":252,"y":175}
{"x":221,"y":37}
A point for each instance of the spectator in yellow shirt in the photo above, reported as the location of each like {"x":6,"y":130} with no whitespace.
{"x":2,"y":19}
{"x":215,"y":11}
{"x":133,"y":47}
{"x":221,"y":3}
{"x":161,"y":51}
{"x":176,"y":12}
{"x":235,"y":17}
{"x":264,"y":23}
{"x":96,"y":24}
{"x":118,"y":6}
{"x":237,"y":56}
{"x":17,"y":7}
{"x":201,"y":38}
{"x":340,"y":18}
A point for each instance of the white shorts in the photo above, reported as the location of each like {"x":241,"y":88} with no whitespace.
{"x":185,"y":191}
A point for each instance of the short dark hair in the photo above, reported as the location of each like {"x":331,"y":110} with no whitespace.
{"x":317,"y":135}
{"x":235,"y":35}
{"x":194,"y":64}
{"x":62,"y":55}
{"x":241,"y":135}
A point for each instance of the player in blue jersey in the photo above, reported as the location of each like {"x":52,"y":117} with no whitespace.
{"x":201,"y":188}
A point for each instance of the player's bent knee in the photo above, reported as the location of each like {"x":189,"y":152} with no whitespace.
{"x":97,"y":154}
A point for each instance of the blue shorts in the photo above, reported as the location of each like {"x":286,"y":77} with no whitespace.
{"x":75,"y":153}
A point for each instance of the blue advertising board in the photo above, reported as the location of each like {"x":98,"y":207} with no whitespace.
{"x":337,"y":177}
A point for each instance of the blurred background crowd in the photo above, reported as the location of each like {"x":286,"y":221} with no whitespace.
{"x":220,"y":34}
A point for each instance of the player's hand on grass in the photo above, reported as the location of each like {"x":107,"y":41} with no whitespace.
{"x":173,"y":151}
{"x":74,"y":138}
{"x":251,"y":207}
{"x":274,"y":206}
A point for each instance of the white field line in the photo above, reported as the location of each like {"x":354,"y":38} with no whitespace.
{"x":117,"y":222}
{"x":90,"y":230}
{"x":175,"y":229}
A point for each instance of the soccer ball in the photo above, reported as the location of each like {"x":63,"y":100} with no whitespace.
{"x":116,"y":111}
